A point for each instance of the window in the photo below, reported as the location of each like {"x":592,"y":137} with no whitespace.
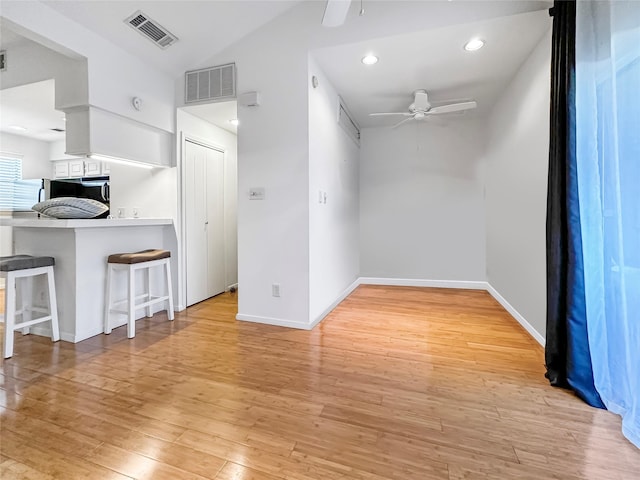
{"x":16,"y":194}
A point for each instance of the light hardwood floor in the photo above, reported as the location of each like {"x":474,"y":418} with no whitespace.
{"x":396,"y":383}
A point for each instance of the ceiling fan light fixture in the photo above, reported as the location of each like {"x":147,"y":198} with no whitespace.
{"x":370,"y":59}
{"x":474,"y":44}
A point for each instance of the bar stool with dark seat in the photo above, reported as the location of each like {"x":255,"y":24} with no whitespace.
{"x":25,"y":266}
{"x":131,"y":263}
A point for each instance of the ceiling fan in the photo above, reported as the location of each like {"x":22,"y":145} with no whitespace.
{"x":335,"y":12}
{"x":421,"y":108}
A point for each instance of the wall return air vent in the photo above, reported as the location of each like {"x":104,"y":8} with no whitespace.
{"x":151,"y":29}
{"x":213,"y":83}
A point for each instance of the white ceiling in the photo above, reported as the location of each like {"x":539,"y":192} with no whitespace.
{"x":431,"y":58}
{"x":32,"y":106}
{"x":203,"y":28}
{"x":434,"y":60}
{"x":217,"y":113}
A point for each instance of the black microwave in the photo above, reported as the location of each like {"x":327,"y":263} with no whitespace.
{"x":95,"y":188}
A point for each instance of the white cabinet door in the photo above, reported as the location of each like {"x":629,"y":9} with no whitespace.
{"x":60,"y":169}
{"x":92,"y":168}
{"x":76,"y":168}
{"x":204,"y":187}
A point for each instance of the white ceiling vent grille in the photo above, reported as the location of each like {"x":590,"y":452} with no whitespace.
{"x":151,"y":29}
{"x":213,"y":83}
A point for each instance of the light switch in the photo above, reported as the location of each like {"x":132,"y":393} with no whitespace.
{"x":256,"y":193}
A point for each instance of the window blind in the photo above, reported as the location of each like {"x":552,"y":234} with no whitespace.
{"x":16,"y":194}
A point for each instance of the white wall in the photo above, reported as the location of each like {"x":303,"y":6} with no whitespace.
{"x":421,"y":202}
{"x":153,"y":192}
{"x":516,"y":188}
{"x":334,"y":225}
{"x":114,"y":75}
{"x":35,"y":154}
{"x":29,"y":62}
{"x":57,"y":149}
{"x":273,"y":140}
{"x":193,"y":127}
{"x":273,"y":153}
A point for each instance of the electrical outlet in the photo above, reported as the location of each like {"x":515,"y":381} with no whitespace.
{"x":136,"y":212}
{"x":122,"y":212}
{"x":275,"y":289}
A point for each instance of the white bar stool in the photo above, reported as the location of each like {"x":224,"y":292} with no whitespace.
{"x":131,"y":263}
{"x":25,"y":266}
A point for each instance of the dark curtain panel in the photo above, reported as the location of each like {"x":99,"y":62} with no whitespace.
{"x":567,"y":356}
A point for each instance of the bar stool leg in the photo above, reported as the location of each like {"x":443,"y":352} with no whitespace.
{"x":53,"y":306}
{"x":26,"y":301}
{"x":9,"y":314}
{"x":169,"y":289}
{"x":148,"y":291}
{"x":107,"y":301}
{"x":131,"y":323}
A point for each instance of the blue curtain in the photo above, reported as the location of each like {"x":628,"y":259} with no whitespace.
{"x":567,"y":356}
{"x":608,"y":174}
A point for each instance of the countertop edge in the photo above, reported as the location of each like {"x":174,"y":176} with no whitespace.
{"x":83,"y":223}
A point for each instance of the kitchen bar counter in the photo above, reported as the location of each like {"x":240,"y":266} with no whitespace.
{"x":80,"y":248}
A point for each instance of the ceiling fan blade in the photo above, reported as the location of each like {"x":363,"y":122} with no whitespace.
{"x":421,"y":101}
{"x":403,"y":121}
{"x":406,"y":114}
{"x":452,"y":107}
{"x":335,"y":13}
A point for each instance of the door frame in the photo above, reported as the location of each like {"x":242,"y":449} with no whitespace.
{"x":182,"y":214}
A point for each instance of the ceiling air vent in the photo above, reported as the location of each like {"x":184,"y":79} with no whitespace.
{"x":151,"y":29}
{"x":213,"y":83}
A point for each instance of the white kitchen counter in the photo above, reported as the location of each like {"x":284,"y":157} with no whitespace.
{"x":82,"y":222}
{"x":80,"y":248}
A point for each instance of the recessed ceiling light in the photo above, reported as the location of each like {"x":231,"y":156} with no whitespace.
{"x":370,"y":60}
{"x":18,"y":128}
{"x":474,"y":44}
{"x":234,"y":122}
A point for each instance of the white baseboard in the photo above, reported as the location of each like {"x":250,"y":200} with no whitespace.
{"x":279,"y":322}
{"x":336,"y":302}
{"x":416,"y":282}
{"x":46,"y":332}
{"x":229,"y":287}
{"x":515,"y":314}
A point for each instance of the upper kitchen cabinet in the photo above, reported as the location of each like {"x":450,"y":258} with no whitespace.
{"x":68,"y":169}
{"x":93,"y":131}
{"x":69,"y":166}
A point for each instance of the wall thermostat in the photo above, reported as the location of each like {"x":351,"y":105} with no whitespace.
{"x":314,"y":81}
{"x":136,"y":102}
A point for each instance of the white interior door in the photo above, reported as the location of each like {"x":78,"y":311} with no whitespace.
{"x":204,"y":222}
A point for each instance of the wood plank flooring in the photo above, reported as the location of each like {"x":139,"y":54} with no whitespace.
{"x":396,"y":383}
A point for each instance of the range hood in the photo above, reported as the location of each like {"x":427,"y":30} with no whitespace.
{"x":97,"y":133}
